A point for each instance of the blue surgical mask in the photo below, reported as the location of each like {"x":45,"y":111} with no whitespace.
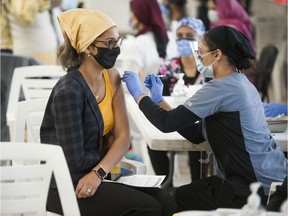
{"x":184,"y":48}
{"x":165,"y":10}
{"x":206,"y":71}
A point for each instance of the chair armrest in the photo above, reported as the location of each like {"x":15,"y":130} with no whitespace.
{"x":132,"y":165}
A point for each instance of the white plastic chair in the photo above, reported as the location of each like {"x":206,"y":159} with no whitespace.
{"x":29,"y":115}
{"x":36,"y":82}
{"x":24,"y":188}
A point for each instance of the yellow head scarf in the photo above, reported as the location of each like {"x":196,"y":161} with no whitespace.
{"x":83,"y":26}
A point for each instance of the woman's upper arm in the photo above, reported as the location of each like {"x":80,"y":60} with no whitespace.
{"x":121,"y":125}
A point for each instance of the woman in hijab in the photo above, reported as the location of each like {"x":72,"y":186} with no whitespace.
{"x":145,"y":52}
{"x":228,"y":113}
{"x":188,"y":30}
{"x":231,"y":13}
{"x":87,"y":117}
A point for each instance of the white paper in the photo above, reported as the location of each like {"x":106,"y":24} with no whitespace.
{"x":142,"y":180}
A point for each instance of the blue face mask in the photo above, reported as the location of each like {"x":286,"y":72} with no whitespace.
{"x":206,"y":71}
{"x":184,"y":48}
{"x":165,"y":10}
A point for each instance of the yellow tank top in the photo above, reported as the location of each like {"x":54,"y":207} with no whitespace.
{"x":106,"y":105}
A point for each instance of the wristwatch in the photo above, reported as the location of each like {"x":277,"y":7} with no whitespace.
{"x":100,"y":172}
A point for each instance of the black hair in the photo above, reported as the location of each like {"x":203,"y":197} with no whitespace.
{"x":233,"y":43}
{"x":179,"y":3}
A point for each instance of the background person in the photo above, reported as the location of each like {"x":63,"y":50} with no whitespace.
{"x":87,"y":117}
{"x":189,"y":29}
{"x":32,"y":32}
{"x":172,"y":12}
{"x":146,"y":51}
{"x":231,"y":13}
{"x":228,"y":113}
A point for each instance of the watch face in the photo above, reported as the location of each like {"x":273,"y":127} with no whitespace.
{"x":101,"y":172}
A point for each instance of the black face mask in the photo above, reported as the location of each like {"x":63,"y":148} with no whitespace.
{"x":107,"y":57}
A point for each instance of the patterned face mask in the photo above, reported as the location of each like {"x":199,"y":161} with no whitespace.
{"x":184,"y":48}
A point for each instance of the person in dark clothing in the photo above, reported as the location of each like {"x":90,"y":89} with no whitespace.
{"x":228,"y":113}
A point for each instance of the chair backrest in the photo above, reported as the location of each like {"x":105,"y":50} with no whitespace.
{"x":35,"y":82}
{"x":266,"y":64}
{"x":24,"y":188}
{"x":29,"y":116}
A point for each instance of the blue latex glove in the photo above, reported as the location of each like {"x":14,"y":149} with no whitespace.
{"x":133,"y":84}
{"x":275,"y":109}
{"x":154,"y":84}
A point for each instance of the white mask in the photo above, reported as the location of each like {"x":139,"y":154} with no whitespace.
{"x":213,"y":15}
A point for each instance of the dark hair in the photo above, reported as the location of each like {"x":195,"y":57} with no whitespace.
{"x":68,"y":56}
{"x":181,"y":5}
{"x":233,"y":43}
{"x":161,"y":45}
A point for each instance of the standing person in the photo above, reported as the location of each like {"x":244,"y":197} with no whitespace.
{"x":228,"y":113}
{"x":189,"y":30}
{"x":32,"y":32}
{"x":145,"y":52}
{"x":87,"y":117}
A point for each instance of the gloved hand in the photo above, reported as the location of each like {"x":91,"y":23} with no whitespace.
{"x":133,"y":84}
{"x":275,"y":109}
{"x":154,"y":84}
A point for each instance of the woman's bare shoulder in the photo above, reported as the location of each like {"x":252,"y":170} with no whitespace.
{"x":114,"y":77}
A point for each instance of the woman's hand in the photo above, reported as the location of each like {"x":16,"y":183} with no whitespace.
{"x":87,"y":185}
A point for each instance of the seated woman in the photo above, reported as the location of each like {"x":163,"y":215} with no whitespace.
{"x":188,"y":30}
{"x":87,"y":117}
